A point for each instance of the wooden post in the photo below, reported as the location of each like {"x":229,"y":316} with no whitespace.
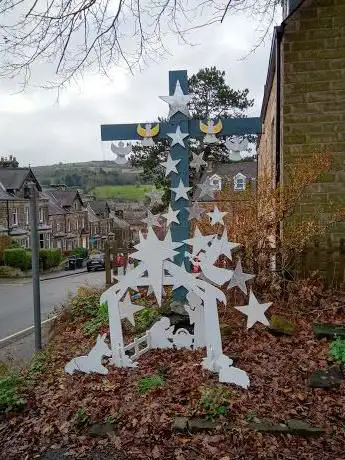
{"x":107,"y":264}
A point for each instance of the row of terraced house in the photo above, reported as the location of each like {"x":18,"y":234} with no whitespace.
{"x":65,"y":219}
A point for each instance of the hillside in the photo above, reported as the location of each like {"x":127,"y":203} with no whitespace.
{"x":87,"y":175}
{"x":125,"y":192}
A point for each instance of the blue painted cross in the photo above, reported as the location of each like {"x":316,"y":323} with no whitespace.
{"x":231,"y":126}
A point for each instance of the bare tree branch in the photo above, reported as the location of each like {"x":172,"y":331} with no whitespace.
{"x":74,"y":35}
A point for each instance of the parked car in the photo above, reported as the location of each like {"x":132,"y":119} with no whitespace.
{"x":95,"y":262}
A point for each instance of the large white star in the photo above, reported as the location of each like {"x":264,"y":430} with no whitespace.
{"x":239,"y":278}
{"x":216,"y":216}
{"x":171,"y":216}
{"x":177,"y":137}
{"x":152,"y":220}
{"x":153,"y":252}
{"x":170,"y":165}
{"x":199,"y":241}
{"x":197,"y":161}
{"x":227,"y":246}
{"x":178,"y":101}
{"x":255,"y":311}
{"x":181,"y":191}
{"x":128,"y":309}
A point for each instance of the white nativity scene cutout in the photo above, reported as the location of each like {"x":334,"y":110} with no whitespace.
{"x":157,"y":269}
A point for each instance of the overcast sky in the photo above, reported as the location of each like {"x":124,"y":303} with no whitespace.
{"x":39,"y":130}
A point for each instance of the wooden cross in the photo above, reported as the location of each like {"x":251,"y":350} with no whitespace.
{"x":230,"y":127}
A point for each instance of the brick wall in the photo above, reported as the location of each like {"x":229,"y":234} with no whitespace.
{"x":313,"y":112}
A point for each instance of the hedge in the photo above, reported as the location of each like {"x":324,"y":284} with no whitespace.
{"x":50,"y":258}
{"x":18,"y":258}
{"x":21,"y":258}
{"x":5,"y":242}
{"x":80,"y":252}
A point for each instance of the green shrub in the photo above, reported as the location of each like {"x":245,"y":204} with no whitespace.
{"x":100,"y":319}
{"x":80,"y":252}
{"x":145,"y":318}
{"x":337,"y":350}
{"x":86,"y":302}
{"x":18,"y":258}
{"x":50,"y":258}
{"x":5,"y":242}
{"x":214,"y":401}
{"x":147,"y":383}
{"x":10,"y":397}
{"x":81,"y":418}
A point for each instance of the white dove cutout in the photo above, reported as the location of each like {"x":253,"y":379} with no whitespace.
{"x":121,"y":151}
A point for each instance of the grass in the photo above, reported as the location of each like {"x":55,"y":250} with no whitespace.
{"x":126,"y":192}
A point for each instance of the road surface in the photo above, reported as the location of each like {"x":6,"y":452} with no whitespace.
{"x":16,"y":304}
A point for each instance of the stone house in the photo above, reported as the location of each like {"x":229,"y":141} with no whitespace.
{"x":236,"y":177}
{"x":15,"y":208}
{"x":68,"y":218}
{"x":104,"y":224}
{"x":303,"y":109}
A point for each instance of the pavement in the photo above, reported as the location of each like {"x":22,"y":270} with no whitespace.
{"x":16,"y":298}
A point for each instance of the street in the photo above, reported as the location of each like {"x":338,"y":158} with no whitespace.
{"x":16,"y":304}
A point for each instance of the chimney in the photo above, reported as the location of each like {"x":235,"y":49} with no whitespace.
{"x":211,"y":163}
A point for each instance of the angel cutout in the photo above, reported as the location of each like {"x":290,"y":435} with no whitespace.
{"x":147,"y":133}
{"x":211,"y":129}
{"x":121,"y":151}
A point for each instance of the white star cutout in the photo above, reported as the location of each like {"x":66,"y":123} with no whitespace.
{"x":152,"y":220}
{"x":216,"y":216}
{"x":181,"y":191}
{"x":153,"y":252}
{"x":206,"y":188}
{"x":128,"y":309}
{"x":177,"y":137}
{"x":195,"y":211}
{"x":197,"y":161}
{"x":170,"y":165}
{"x":239,"y":278}
{"x":199,"y":241}
{"x":171,"y":216}
{"x":227,"y":246}
{"x":178,"y":101}
{"x":155,"y":197}
{"x":255,"y":311}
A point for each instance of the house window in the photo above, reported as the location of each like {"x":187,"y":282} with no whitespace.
{"x":57,"y":226}
{"x":240,"y":182}
{"x":27,"y":214}
{"x":77,"y":224}
{"x":27,"y":242}
{"x":216,"y":182}
{"x":41,"y":241}
{"x":41,"y":215}
{"x":15,"y":217}
{"x":58,"y":244}
{"x":69,"y":226}
{"x":82,"y":222}
{"x":75,"y":205}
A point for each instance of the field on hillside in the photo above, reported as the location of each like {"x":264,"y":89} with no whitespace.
{"x":126,"y":192}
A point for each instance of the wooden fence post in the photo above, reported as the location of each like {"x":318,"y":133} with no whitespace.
{"x":107,"y":264}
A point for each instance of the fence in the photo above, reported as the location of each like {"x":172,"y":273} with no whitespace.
{"x":137,"y":346}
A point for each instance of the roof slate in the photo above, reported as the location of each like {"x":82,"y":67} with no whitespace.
{"x":13,"y":178}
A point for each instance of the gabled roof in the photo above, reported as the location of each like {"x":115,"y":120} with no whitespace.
{"x":99,"y":206}
{"x":120,"y":223}
{"x":91,"y":214}
{"x":64,"y":198}
{"x":14,"y":178}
